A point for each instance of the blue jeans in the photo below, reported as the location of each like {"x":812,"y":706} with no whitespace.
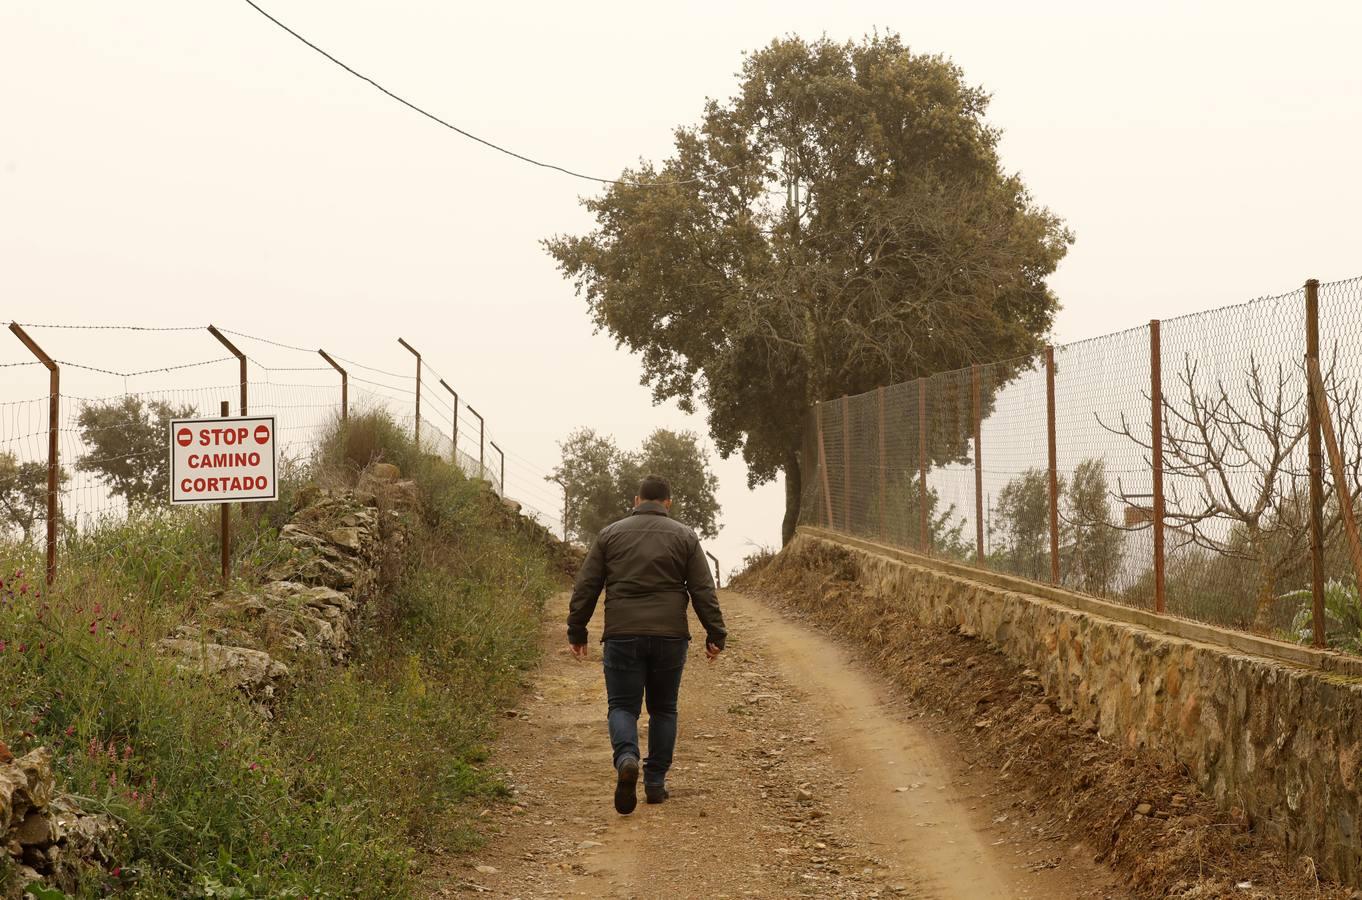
{"x":635,"y":668}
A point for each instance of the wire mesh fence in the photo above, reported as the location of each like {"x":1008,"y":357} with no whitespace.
{"x":103,"y":434}
{"x":1175,"y":467}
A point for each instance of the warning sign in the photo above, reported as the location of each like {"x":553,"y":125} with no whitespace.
{"x":225,"y":460}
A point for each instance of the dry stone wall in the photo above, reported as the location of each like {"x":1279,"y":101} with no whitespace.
{"x":339,"y":543}
{"x":47,"y":835}
{"x":1278,"y":738}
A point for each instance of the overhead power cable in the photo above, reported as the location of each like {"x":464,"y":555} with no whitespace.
{"x":468,"y":134}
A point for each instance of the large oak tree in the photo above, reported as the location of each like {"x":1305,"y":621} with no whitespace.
{"x":842,"y":222}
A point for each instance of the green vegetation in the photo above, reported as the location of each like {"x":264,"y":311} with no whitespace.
{"x":843,"y":221}
{"x":601,"y":480}
{"x":127,"y":446}
{"x":23,"y":495}
{"x":361,"y":766}
{"x":1089,"y":541}
{"x":1342,"y":615}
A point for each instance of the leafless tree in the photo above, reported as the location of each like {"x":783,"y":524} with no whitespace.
{"x":1236,"y":466}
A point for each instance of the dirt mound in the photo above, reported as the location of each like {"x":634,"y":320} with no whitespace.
{"x":1141,"y":815}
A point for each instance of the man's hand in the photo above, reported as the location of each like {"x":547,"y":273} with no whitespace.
{"x":712,"y":652}
{"x":578,"y":650}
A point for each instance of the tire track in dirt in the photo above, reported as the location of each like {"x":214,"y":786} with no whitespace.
{"x":791,"y":779}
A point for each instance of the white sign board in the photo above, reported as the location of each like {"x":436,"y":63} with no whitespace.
{"x":223,"y":460}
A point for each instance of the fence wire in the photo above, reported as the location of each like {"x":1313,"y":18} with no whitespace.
{"x":111,"y":431}
{"x":958,"y":465}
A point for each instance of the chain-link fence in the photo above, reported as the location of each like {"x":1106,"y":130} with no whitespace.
{"x":1062,"y":469}
{"x":97,"y":445}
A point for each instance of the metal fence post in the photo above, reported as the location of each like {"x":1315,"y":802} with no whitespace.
{"x":1156,"y":453}
{"x":715,"y":560}
{"x":977,"y":403}
{"x":1316,"y":470}
{"x":454,"y":449}
{"x":226,"y":524}
{"x":241,"y":361}
{"x":502,"y":454}
{"x":345,"y":385}
{"x":417,"y":429}
{"x":879,"y":396}
{"x":924,"y":532}
{"x":482,"y":434}
{"x":53,"y":444}
{"x":846,"y":465}
{"x":1054,"y":462}
{"x":823,"y":465}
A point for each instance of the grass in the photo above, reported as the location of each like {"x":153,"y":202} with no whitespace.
{"x":363,"y":766}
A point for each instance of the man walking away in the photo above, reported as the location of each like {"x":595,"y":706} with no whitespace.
{"x":650,"y":566}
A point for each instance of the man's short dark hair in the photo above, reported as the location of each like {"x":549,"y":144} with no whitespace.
{"x":655,"y":487}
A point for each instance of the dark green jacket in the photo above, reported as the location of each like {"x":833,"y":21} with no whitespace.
{"x":650,"y":566}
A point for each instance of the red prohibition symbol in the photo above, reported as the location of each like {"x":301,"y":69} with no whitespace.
{"x":183,"y":437}
{"x":262,"y":434}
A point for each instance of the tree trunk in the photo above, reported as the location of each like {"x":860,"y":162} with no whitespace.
{"x":794,"y":489}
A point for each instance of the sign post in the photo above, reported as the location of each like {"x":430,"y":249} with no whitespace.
{"x":223,"y":460}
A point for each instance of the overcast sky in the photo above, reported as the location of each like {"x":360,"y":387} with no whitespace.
{"x":166,"y":162}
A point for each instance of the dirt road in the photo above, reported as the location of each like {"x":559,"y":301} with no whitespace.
{"x":796,"y":774}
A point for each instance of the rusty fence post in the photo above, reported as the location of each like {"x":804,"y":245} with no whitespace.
{"x":879,"y":396}
{"x":1316,"y":458}
{"x":977,"y":403}
{"x":241,"y":361}
{"x":715,"y":560}
{"x":1054,"y":462}
{"x":1156,"y":456}
{"x":1320,"y":397}
{"x":846,"y":465}
{"x":924,"y":532}
{"x":502,"y":454}
{"x":417,"y":429}
{"x":53,"y":443}
{"x":345,"y":385}
{"x":454,"y":449}
{"x":482,"y":442}
{"x":823,"y":466}
{"x":226,"y":539}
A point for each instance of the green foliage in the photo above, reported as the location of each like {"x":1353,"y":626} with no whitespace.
{"x":601,"y":480}
{"x":1342,"y":615}
{"x":678,"y":457}
{"x":842,"y":222}
{"x":1022,"y":542}
{"x":1090,"y":555}
{"x":359,"y":766}
{"x":1090,"y":543}
{"x":23,"y":493}
{"x":589,"y":474}
{"x":128,"y":440}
